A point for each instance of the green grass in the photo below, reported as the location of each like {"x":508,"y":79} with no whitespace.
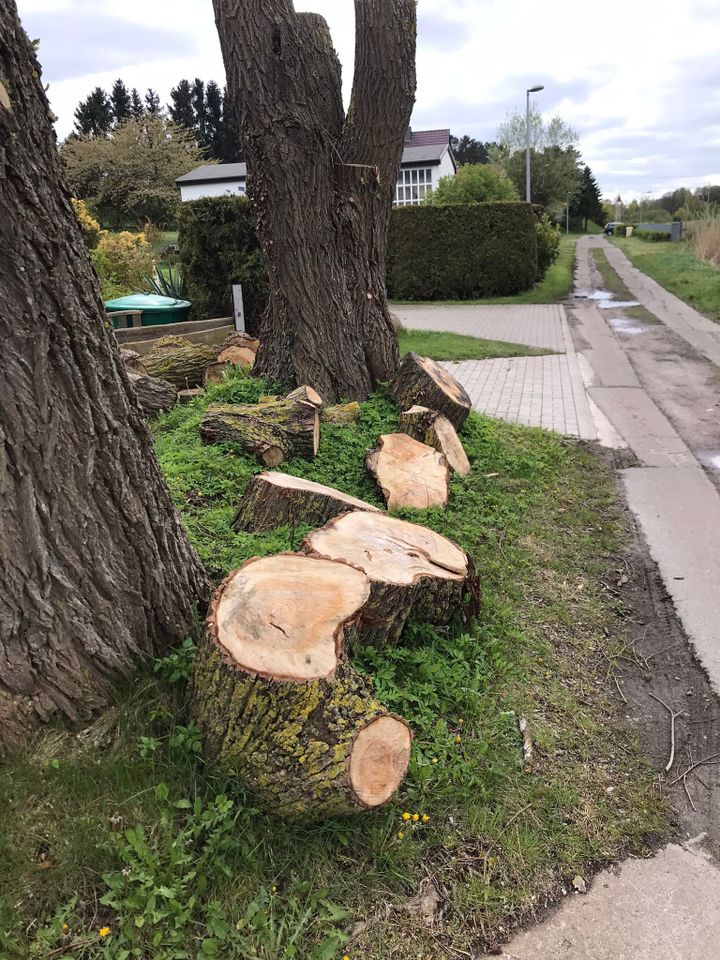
{"x":127,"y":827}
{"x":556,"y":285}
{"x":455,"y":346}
{"x":676,"y":268}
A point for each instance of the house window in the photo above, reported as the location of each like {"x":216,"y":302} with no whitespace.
{"x":413,"y":186}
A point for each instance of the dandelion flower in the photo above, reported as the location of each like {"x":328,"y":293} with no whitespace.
{"x":406,"y":816}
{"x":104,"y":931}
{"x":416,"y":817}
{"x":458,"y":739}
{"x":346,"y":957}
{"x":461,"y":721}
{"x":66,"y":926}
{"x":434,"y":760}
{"x":401,"y":834}
{"x":274,"y":889}
{"x":425,"y":818}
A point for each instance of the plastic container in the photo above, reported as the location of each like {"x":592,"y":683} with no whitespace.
{"x":155,"y":309}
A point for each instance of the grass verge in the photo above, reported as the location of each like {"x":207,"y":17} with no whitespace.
{"x":613,"y":283}
{"x":676,"y":268}
{"x":125,"y":831}
{"x":556,"y":285}
{"x":455,"y":346}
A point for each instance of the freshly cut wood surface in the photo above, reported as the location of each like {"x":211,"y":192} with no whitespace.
{"x":274,"y":499}
{"x":154,"y":396}
{"x":239,"y":339}
{"x":239,"y":356}
{"x":414,"y":572}
{"x":434,"y":429}
{"x":278,"y":702}
{"x":274,"y":430}
{"x":420,"y":380}
{"x":409,"y":474}
{"x":187,"y":396}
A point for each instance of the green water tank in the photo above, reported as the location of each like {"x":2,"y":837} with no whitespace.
{"x":155,"y":309}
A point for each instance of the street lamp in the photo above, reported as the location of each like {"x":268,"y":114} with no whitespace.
{"x":535,"y":89}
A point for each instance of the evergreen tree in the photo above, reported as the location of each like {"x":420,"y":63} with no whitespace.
{"x":198,"y":103}
{"x":121,"y":103}
{"x":231,"y":150}
{"x":588,"y":204}
{"x":136,"y":105}
{"x":94,"y":116}
{"x":214,"y":132}
{"x":467,"y":150}
{"x":152,"y":102}
{"x":182,"y":111}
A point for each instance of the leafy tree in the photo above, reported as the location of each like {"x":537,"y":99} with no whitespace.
{"x":473,"y":183}
{"x":130,"y":177}
{"x":467,"y":150}
{"x":555,"y":176}
{"x":152,"y":102}
{"x":588,"y":202}
{"x":137,"y":108}
{"x":121,"y":102}
{"x":543,"y":136}
{"x":94,"y":116}
{"x":182,"y":110}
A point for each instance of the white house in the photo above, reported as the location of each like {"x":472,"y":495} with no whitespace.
{"x":427,"y":157}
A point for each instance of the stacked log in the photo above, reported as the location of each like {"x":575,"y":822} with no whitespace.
{"x":409,"y":474}
{"x":432,"y":428}
{"x":420,"y":380}
{"x":277,"y":699}
{"x":154,"y":396}
{"x":415,"y":574}
{"x":274,"y":430}
{"x":179,"y":361}
{"x":275,"y":499}
{"x":342,"y":413}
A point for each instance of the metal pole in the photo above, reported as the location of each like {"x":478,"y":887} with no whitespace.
{"x":527,"y":148}
{"x":567,"y":215}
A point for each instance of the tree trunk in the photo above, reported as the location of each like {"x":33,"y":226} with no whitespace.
{"x":422,"y":381}
{"x":97,"y":573}
{"x":154,"y":396}
{"x":409,"y":474}
{"x":322,"y":187}
{"x":279,"y":703}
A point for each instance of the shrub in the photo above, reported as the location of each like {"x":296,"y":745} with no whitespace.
{"x":655,"y":236}
{"x":474,"y":183}
{"x":218,"y":248}
{"x":704,"y":239}
{"x":122,"y":262}
{"x":548,"y":245}
{"x":88,"y":224}
{"x":461,"y":251}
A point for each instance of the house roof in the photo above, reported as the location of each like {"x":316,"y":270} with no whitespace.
{"x":432,"y":153}
{"x":215,"y":171}
{"x":424,"y":138}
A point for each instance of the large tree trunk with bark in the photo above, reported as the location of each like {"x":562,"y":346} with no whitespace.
{"x":97,"y":574}
{"x":322,"y":184}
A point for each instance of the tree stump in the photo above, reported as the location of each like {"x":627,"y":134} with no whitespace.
{"x":154,"y":396}
{"x":278,"y":702}
{"x":274,"y":430}
{"x":179,"y":361}
{"x":415,"y":573}
{"x":409,"y":473}
{"x":420,"y":380}
{"x":187,"y":396}
{"x":275,"y":499}
{"x":432,"y":428}
{"x":342,"y":413}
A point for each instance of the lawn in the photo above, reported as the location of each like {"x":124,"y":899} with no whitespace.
{"x":676,"y":268}
{"x":126,"y":830}
{"x":455,"y":346}
{"x":556,"y":285}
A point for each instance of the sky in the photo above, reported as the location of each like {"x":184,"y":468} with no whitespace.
{"x":638,"y":79}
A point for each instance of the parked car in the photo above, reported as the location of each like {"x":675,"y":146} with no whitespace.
{"x":610,"y":227}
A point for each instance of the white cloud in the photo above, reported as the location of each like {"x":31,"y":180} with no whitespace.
{"x":619,"y":73}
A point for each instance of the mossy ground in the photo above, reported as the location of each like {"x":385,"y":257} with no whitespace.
{"x":127,"y":829}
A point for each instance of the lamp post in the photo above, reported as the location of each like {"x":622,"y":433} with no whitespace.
{"x":535,"y":89}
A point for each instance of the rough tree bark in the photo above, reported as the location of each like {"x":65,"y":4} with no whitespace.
{"x":96,"y":572}
{"x":322,"y":185}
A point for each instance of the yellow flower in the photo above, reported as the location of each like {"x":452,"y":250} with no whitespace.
{"x":274,"y":889}
{"x":416,"y":817}
{"x":406,"y":816}
{"x":458,"y":739}
{"x":461,"y":721}
{"x":425,"y":818}
{"x":346,"y":957}
{"x":104,"y":931}
{"x":434,"y":760}
{"x":401,"y":834}
{"x":302,"y":759}
{"x":66,"y":926}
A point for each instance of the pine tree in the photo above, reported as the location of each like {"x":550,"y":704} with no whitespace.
{"x":231,"y":150}
{"x":121,"y":103}
{"x":588,"y":205}
{"x":198,"y":102}
{"x":136,"y":105}
{"x":94,"y":116}
{"x":468,"y":150}
{"x":152,"y":102}
{"x":182,"y":111}
{"x":214,"y":133}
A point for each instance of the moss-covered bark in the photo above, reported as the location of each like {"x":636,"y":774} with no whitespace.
{"x":181,"y":364}
{"x":342,"y":413}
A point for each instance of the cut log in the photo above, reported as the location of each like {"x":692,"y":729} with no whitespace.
{"x":187,"y":396}
{"x":415,"y":573}
{"x":278,"y":702}
{"x":274,"y":430}
{"x":423,"y":381}
{"x":238,"y":356}
{"x":432,"y":428}
{"x":132,"y":361}
{"x":179,"y":361}
{"x":239,"y":339}
{"x":409,"y":473}
{"x":342,"y":413}
{"x":215,"y":373}
{"x":154,"y":396}
{"x":275,"y":499}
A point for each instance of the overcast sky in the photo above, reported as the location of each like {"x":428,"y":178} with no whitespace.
{"x":639,"y":79}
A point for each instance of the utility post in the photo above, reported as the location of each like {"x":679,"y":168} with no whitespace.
{"x":535,"y":89}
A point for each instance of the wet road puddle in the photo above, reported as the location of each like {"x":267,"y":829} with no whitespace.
{"x":629,"y":327}
{"x":709,"y":458}
{"x":605,"y":300}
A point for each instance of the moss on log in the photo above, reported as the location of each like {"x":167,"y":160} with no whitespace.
{"x":278,"y":702}
{"x":342,"y":413}
{"x":274,"y":499}
{"x":179,"y":361}
{"x":420,"y":380}
{"x":434,"y":429}
{"x":274,"y":430}
{"x":154,"y":396}
{"x":415,"y":574}
{"x":409,"y":474}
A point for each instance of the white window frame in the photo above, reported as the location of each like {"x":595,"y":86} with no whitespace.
{"x":414,"y":184}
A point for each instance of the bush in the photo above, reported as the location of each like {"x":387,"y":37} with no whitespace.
{"x":122,"y":262}
{"x":704,"y":239}
{"x":218,"y":248}
{"x":461,"y":251}
{"x":474,"y":183}
{"x":88,"y":224}
{"x":548,"y":245}
{"x":655,"y":236}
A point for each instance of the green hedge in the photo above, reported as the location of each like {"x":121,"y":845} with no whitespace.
{"x":218,"y":247}
{"x":461,"y":252}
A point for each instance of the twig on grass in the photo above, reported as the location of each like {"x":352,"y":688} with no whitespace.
{"x":61,"y":951}
{"x":624,"y":698}
{"x":712,"y":760}
{"x":673,"y":715}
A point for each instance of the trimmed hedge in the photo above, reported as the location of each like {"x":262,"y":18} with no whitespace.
{"x":219,"y":247}
{"x":461,"y":252}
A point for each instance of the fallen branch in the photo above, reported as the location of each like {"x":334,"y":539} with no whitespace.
{"x":713,"y":760}
{"x":527,"y":745}
{"x":673,"y":715}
